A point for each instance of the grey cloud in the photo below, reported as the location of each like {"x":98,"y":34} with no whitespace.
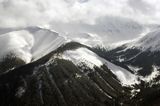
{"x":40,"y":12}
{"x":83,"y":1}
{"x":142,"y":6}
{"x":109,"y":28}
{"x":102,"y":17}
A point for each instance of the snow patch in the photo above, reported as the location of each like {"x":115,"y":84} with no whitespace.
{"x":155,"y":73}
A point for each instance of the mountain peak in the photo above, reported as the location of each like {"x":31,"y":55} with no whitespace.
{"x":150,"y":41}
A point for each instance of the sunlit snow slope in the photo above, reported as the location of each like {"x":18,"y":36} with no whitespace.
{"x":29,"y":43}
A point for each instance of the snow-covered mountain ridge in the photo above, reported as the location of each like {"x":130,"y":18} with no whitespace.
{"x":149,"y":40}
{"x":29,"y":43}
{"x":62,"y":69}
{"x":32,"y":43}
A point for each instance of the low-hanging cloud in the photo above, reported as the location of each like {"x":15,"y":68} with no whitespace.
{"x":40,"y":12}
{"x":79,"y":13}
{"x":142,"y":7}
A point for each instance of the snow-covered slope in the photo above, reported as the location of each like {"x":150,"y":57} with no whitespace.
{"x":29,"y":43}
{"x":148,"y":40}
{"x":90,"y":59}
{"x":151,"y":41}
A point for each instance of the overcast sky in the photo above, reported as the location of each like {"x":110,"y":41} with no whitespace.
{"x":91,"y":16}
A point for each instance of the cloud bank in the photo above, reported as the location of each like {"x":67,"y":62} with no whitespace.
{"x":85,"y":15}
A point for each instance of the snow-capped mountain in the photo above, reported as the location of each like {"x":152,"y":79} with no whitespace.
{"x":72,"y":74}
{"x":141,"y":53}
{"x":40,"y":67}
{"x":32,"y":43}
{"x":150,"y":42}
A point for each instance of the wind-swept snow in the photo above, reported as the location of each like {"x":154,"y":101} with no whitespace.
{"x":29,"y":43}
{"x":45,"y":41}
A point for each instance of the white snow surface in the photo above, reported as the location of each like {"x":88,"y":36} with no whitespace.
{"x":29,"y":43}
{"x":91,"y":59}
